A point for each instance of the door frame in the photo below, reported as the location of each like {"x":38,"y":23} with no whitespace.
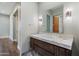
{"x":12,"y":15}
{"x":15,"y":19}
{"x":11,"y":25}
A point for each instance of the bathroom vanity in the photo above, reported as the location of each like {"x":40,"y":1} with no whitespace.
{"x":51,"y":45}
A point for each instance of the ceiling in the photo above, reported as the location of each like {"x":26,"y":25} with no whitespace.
{"x":7,"y":7}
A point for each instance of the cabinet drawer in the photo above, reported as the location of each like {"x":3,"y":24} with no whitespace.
{"x":39,"y":43}
{"x":44,"y":45}
{"x":42,"y":52}
{"x":61,"y":51}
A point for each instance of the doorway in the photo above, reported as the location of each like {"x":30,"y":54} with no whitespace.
{"x":48,"y":23}
{"x":55,"y":24}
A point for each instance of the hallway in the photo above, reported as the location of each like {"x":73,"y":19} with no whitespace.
{"x":8,"y":48}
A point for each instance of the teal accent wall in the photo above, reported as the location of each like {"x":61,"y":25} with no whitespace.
{"x":48,"y":23}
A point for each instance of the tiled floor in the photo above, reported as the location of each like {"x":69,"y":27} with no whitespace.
{"x":8,"y":48}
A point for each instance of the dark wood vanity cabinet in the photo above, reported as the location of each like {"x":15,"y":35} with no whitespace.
{"x":47,"y":49}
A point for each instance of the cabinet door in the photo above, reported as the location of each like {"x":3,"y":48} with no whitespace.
{"x":42,"y":52}
{"x":56,"y":51}
{"x":32,"y":43}
{"x":52,"y":49}
{"x":61,"y":51}
{"x":68,"y":52}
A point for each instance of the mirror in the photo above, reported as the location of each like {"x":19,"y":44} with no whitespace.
{"x":53,"y":20}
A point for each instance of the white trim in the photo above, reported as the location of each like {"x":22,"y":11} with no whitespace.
{"x":19,"y":49}
{"x":4,"y":36}
{"x":10,"y":38}
{"x":15,"y":9}
{"x":11,"y":22}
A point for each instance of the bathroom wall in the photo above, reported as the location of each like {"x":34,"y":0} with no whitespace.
{"x":67,"y":22}
{"x":73,"y":25}
{"x":4,"y":25}
{"x":29,"y":23}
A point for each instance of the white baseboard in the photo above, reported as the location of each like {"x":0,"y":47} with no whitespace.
{"x":19,"y":49}
{"x":4,"y":37}
{"x":10,"y":38}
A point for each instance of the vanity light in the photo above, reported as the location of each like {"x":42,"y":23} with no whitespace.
{"x":40,"y":20}
{"x":40,"y":17}
{"x":68,"y":13}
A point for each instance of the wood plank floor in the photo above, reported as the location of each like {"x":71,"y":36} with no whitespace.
{"x":8,"y":48}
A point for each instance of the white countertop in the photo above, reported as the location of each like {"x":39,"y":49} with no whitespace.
{"x":62,"y":40}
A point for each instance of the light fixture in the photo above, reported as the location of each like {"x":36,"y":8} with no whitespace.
{"x":68,"y":13}
{"x":40,"y":20}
